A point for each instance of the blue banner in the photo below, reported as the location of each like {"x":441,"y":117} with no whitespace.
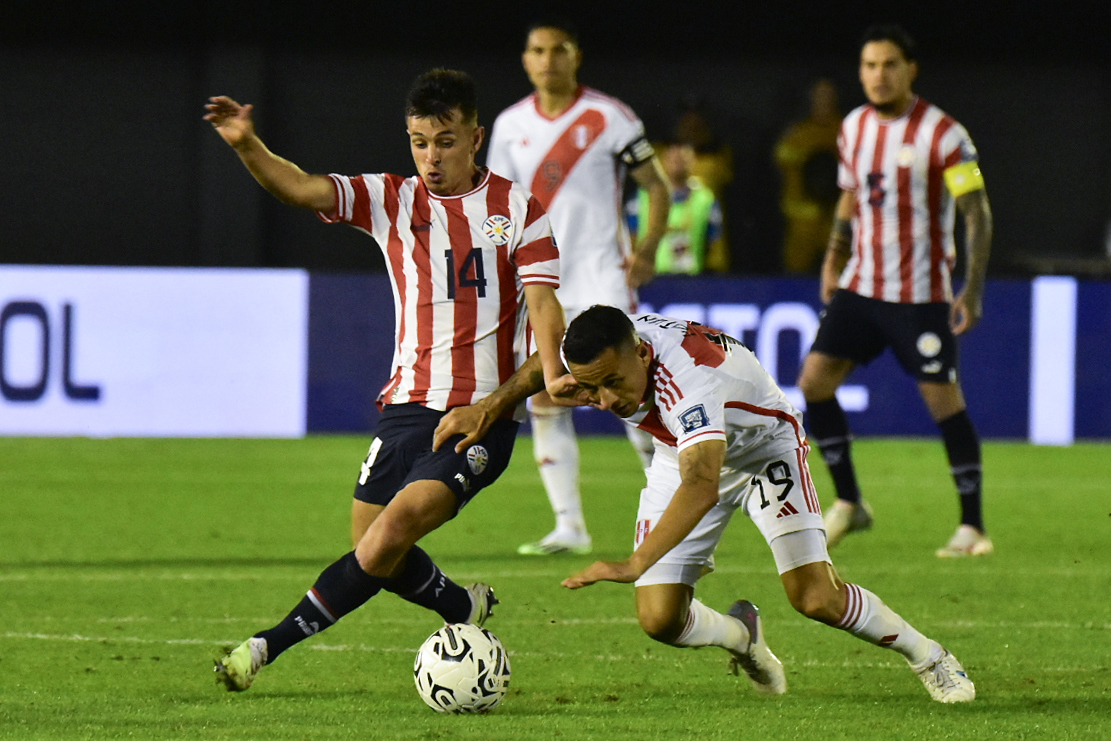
{"x":1014,"y":389}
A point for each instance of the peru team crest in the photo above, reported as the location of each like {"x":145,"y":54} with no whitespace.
{"x":477,"y":458}
{"x":498,"y":229}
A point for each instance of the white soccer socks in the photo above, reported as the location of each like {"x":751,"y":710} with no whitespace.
{"x":706,"y":627}
{"x":556,"y":451}
{"x":868,"y":618}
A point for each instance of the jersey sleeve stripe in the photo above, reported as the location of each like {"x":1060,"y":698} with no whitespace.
{"x":701,"y":437}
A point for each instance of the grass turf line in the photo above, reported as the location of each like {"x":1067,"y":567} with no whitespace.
{"x":125,"y":564}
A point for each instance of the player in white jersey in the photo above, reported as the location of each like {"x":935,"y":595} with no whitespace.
{"x":572,"y":146}
{"x":472,"y":263}
{"x":726,"y":439}
{"x":906,"y":167}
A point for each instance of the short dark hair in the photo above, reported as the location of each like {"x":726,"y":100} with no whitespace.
{"x":595,"y":330}
{"x":894,"y":33}
{"x":438,"y":92}
{"x":559,"y":24}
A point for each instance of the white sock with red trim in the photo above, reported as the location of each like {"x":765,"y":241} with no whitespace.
{"x":868,"y":618}
{"x":556,"y":451}
{"x":706,"y":627}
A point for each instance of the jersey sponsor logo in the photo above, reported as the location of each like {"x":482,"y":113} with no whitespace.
{"x":786,"y":510}
{"x":694,"y":418}
{"x":477,"y":458}
{"x":876,"y":191}
{"x":498,"y":229}
{"x":906,"y":156}
{"x":464,"y":482}
{"x":929,"y":345}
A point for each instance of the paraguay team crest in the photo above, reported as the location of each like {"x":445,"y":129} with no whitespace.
{"x":477,"y":458}
{"x":929,"y":344}
{"x":498,"y":229}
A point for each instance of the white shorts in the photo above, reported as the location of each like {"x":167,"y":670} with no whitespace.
{"x":780,"y":500}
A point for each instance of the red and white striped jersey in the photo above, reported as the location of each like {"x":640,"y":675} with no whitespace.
{"x":903,"y":249}
{"x":458,"y":265}
{"x":706,"y":385}
{"x":575,"y":164}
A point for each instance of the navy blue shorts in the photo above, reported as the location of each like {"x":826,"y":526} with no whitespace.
{"x":402,"y":453}
{"x":859,"y":329}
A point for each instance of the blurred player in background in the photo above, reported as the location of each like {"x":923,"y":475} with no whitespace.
{"x":571,"y":146}
{"x":694,"y":223}
{"x":726,"y":438}
{"x":905,"y":163}
{"x":472,"y":263}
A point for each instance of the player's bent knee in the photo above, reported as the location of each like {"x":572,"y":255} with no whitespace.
{"x":815,"y":590}
{"x":662,"y":629}
{"x":816,"y":603}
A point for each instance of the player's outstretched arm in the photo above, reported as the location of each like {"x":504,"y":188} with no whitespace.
{"x":651,"y":177}
{"x":968,"y":306}
{"x":285,"y":180}
{"x":700,"y":472}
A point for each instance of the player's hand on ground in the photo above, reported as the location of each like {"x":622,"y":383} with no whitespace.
{"x":231,"y":120}
{"x":472,"y":422}
{"x":616,"y":571}
{"x":965,"y":312}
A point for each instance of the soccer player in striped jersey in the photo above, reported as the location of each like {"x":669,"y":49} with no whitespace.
{"x":906,"y":167}
{"x":572,"y":146}
{"x":726,"y":439}
{"x":474,"y":269}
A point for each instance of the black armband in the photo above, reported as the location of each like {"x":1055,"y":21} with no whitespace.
{"x":638,"y":152}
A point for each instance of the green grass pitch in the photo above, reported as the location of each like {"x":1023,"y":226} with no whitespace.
{"x":126,"y":564}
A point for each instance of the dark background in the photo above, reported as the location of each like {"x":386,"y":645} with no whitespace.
{"x":106,"y":159}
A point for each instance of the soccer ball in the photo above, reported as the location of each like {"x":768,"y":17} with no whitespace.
{"x":462,"y":668}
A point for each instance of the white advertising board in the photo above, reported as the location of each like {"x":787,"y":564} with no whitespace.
{"x":160,"y":352}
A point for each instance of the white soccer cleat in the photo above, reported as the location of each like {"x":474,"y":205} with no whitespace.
{"x":967,"y":541}
{"x":945,"y":678}
{"x":558,"y":542}
{"x":758,"y":662}
{"x":237,"y":670}
{"x":482,"y":603}
{"x":844,"y":518}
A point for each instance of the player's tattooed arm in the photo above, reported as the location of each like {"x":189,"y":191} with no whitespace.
{"x":968,"y":306}
{"x":474,"y":421}
{"x":840,"y":245}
